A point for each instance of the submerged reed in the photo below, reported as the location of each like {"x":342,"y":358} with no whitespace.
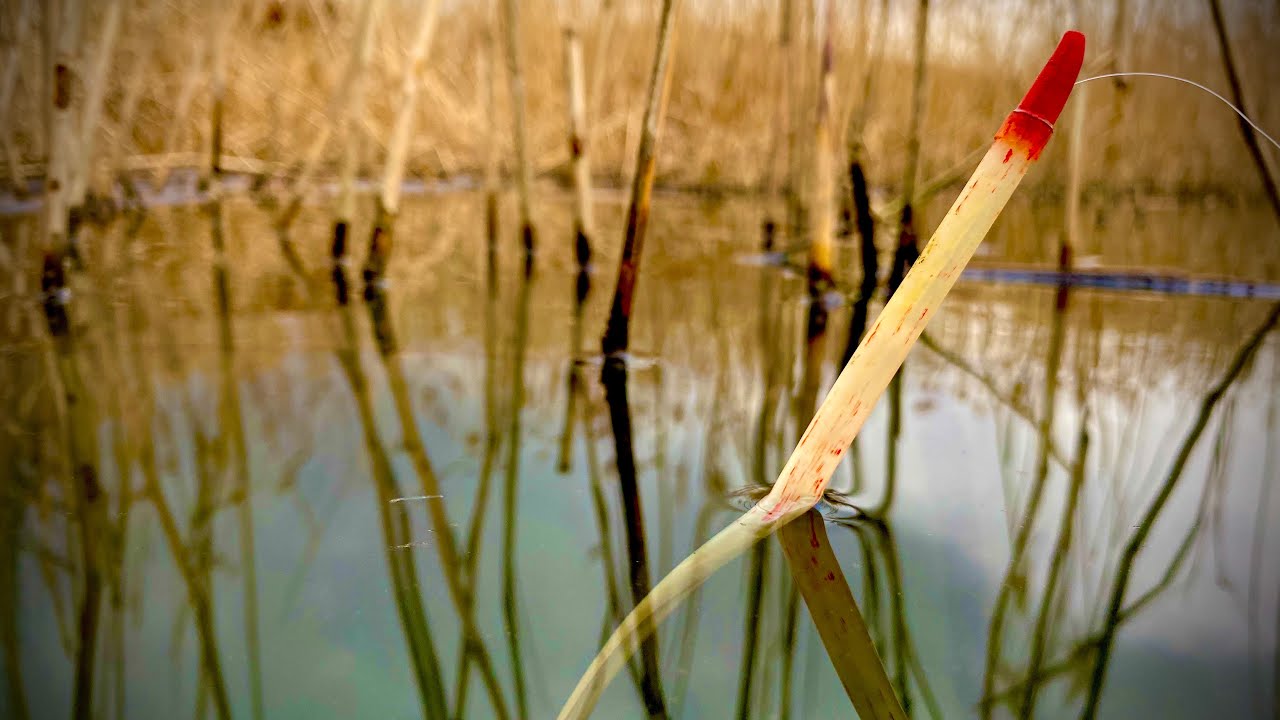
{"x":837,"y":421}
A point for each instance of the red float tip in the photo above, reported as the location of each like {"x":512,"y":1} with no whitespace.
{"x":1029,"y":127}
{"x":1052,"y":87}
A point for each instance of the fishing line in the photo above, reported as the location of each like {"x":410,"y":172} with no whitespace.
{"x":1192,"y":83}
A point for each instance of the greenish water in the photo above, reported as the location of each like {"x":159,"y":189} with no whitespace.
{"x":202,"y":511}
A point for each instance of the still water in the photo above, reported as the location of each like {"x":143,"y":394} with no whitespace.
{"x":423,"y":505}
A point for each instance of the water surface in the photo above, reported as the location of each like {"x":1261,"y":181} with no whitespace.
{"x":416,"y":507}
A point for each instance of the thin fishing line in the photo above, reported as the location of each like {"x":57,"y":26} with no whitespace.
{"x":1192,"y":83}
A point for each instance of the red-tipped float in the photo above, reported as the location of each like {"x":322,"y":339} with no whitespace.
{"x":835,"y":424}
{"x":1030,"y":125}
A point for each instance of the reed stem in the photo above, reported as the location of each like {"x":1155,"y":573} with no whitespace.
{"x":380,"y":240}
{"x":821,"y":242}
{"x":515,"y":84}
{"x":907,"y":251}
{"x":349,"y":126}
{"x":618,"y":332}
{"x":583,"y":215}
{"x":218,"y":87}
{"x":485,"y":64}
{"x":62,"y":139}
{"x":1265,"y":172}
{"x":95,"y":89}
{"x":859,"y":197}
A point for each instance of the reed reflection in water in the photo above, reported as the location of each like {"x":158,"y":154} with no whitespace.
{"x":235,"y":491}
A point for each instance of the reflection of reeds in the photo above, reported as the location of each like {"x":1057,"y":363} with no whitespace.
{"x":573,"y":380}
{"x":232,"y":421}
{"x":759,"y":566}
{"x":1040,"y":635}
{"x":614,"y":378}
{"x":618,"y":332}
{"x":87,"y":506}
{"x":816,"y":571}
{"x":1134,"y":545}
{"x":446,"y":548}
{"x":13,"y":506}
{"x":510,"y":615}
{"x":1016,"y":573}
{"x":394,"y":521}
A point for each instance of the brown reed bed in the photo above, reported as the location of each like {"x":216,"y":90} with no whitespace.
{"x":284,"y":63}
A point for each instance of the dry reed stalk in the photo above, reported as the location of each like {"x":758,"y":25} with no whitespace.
{"x":777,"y":133}
{"x":606,"y":28}
{"x":348,"y":123}
{"x":132,"y":92}
{"x":62,"y":141}
{"x":1119,"y":62}
{"x":1070,"y":243}
{"x":485,"y":64}
{"x":380,"y":241}
{"x":186,"y":96}
{"x":907,"y":250}
{"x":789,"y":97}
{"x":820,"y":244}
{"x":340,"y":105}
{"x":859,"y":197}
{"x":95,"y":89}
{"x":515,"y":84}
{"x":617,"y":333}
{"x":837,"y":421}
{"x":218,"y":86}
{"x":1265,"y":172}
{"x":583,"y":216}
{"x":8,"y":85}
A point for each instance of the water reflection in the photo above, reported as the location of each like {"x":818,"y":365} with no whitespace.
{"x":1060,"y":508}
